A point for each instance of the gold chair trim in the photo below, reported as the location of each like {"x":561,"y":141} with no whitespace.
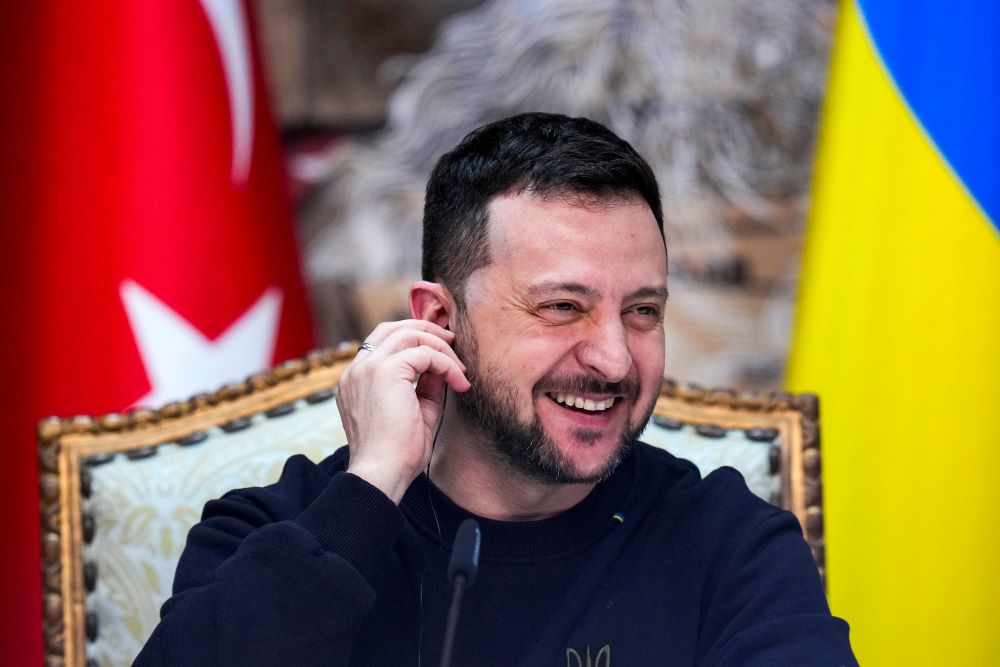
{"x":65,"y":443}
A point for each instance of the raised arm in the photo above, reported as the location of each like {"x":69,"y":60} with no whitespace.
{"x":274,"y":575}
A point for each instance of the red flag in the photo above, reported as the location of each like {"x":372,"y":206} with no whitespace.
{"x":150,"y":250}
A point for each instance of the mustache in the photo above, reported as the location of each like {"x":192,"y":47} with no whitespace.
{"x":588,"y":384}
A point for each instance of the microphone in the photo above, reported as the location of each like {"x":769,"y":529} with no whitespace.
{"x":462,"y":569}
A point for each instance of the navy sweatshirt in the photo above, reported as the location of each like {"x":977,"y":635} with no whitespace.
{"x":321,"y":568}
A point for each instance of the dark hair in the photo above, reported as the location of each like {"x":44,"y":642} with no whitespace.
{"x":542,"y":153}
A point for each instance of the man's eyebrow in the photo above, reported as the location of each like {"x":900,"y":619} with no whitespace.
{"x":656,"y":292}
{"x":548,"y":288}
{"x":554,"y":287}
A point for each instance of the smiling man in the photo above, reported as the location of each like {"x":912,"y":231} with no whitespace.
{"x":563,"y":350}
{"x":515,"y":395}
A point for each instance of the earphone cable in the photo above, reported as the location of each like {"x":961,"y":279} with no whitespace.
{"x":437,"y":523}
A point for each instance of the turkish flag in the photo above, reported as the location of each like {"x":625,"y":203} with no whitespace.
{"x":149,"y":251}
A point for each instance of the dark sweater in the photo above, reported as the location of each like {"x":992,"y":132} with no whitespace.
{"x":322,"y":568}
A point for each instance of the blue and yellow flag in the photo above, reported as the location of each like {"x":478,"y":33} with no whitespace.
{"x":898,"y":329}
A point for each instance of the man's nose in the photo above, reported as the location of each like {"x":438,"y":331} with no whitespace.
{"x":604,"y":350}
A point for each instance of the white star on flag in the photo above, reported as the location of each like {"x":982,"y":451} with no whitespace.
{"x":180,"y":361}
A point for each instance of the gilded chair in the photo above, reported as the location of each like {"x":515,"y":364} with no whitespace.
{"x":119,"y":492}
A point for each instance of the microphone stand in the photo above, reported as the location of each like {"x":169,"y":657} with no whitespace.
{"x":462,"y":571}
{"x":449,"y":632}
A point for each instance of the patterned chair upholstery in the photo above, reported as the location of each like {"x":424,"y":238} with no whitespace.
{"x":119,"y":492}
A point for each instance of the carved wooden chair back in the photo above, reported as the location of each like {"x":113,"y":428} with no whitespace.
{"x":120,"y":491}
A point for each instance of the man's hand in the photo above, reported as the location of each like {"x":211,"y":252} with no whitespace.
{"x":390,"y":424}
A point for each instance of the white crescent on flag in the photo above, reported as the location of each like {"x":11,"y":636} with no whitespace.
{"x":229,"y":26}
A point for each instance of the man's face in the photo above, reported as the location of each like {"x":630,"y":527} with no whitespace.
{"x":563,"y":333}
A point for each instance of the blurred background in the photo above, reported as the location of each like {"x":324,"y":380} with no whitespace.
{"x":197,"y":189}
{"x":722,"y":98}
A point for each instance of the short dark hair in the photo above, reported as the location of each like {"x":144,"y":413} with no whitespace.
{"x":541,"y":153}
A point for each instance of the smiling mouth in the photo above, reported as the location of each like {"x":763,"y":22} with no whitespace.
{"x":580,"y":403}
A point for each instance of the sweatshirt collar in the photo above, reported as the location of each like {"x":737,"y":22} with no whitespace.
{"x":427,"y":507}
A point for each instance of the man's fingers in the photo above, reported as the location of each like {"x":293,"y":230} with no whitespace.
{"x":405,"y":338}
{"x":386,"y":329}
{"x":426,"y":359}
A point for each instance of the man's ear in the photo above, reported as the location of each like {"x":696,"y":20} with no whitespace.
{"x":432,"y":302}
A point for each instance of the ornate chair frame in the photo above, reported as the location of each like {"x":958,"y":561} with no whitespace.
{"x":67,"y":445}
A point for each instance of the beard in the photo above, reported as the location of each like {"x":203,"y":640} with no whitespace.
{"x":490,"y":406}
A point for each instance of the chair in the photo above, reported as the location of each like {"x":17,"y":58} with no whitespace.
{"x":119,"y":492}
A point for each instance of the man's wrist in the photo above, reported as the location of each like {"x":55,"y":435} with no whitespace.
{"x":390,"y":482}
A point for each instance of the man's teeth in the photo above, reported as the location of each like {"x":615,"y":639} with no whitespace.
{"x":583,"y":403}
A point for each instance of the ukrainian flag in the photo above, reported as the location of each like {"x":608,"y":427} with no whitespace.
{"x":898,"y":329}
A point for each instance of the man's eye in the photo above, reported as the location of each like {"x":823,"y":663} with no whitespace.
{"x":645,"y":315}
{"x":560,"y":311}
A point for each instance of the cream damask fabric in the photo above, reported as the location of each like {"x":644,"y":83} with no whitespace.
{"x":143,"y":509}
{"x":735,"y":449}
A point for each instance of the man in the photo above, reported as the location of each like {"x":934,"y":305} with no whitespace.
{"x":515,"y":395}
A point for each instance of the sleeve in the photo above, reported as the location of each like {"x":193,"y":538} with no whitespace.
{"x":769,"y":607}
{"x":253,"y":587}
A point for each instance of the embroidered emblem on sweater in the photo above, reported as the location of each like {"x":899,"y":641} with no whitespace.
{"x":603,"y":658}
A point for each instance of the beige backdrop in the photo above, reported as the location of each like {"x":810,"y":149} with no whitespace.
{"x":720,"y":95}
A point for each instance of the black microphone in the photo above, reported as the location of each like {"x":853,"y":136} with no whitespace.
{"x":462,"y":569}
